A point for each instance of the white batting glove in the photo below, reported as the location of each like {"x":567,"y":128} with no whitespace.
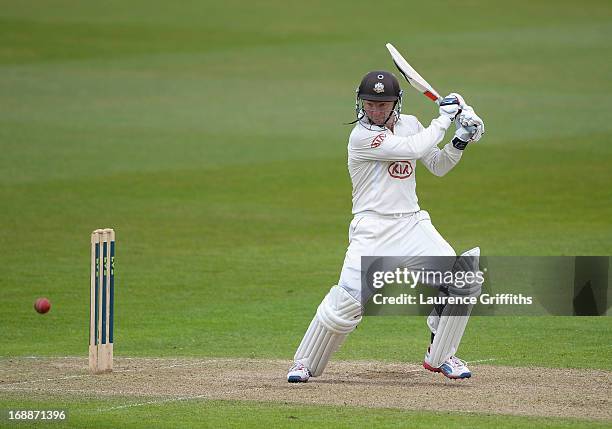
{"x":470,"y":120}
{"x":459,"y":98}
{"x":465,"y":133}
{"x":451,"y":105}
{"x":463,"y":136}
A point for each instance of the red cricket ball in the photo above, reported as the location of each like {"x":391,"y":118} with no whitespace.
{"x":42,"y":305}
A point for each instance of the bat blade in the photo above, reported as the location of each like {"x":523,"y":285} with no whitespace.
{"x":411,"y":75}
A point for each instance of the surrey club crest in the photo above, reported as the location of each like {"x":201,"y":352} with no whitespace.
{"x":379,"y":87}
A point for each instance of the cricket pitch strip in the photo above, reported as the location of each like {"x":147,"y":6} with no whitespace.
{"x":526,"y":391}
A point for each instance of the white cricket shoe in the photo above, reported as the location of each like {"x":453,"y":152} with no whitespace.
{"x":453,"y":367}
{"x":298,"y":373}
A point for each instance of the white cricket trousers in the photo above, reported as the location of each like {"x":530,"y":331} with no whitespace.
{"x":402,"y":234}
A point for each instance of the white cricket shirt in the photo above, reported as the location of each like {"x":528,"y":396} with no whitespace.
{"x":382,"y":164}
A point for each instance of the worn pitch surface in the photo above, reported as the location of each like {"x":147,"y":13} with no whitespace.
{"x":524,"y":391}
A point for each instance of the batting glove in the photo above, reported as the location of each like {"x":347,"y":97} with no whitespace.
{"x":468,"y":118}
{"x":451,"y":105}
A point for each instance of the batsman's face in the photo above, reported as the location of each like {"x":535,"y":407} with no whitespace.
{"x":378,"y":111}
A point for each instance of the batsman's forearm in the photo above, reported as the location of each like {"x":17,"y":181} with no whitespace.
{"x":391,"y":147}
{"x":441,"y":161}
{"x":417,"y":145}
{"x":420,"y":144}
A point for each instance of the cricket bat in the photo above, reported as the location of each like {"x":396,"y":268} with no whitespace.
{"x":411,"y":75}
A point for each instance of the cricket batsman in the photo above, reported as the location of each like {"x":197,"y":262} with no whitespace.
{"x":383,"y":149}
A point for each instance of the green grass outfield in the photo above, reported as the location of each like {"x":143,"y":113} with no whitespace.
{"x":210,"y":136}
{"x":93,"y":413}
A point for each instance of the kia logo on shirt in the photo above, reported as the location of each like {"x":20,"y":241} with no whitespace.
{"x":400,"y":169}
